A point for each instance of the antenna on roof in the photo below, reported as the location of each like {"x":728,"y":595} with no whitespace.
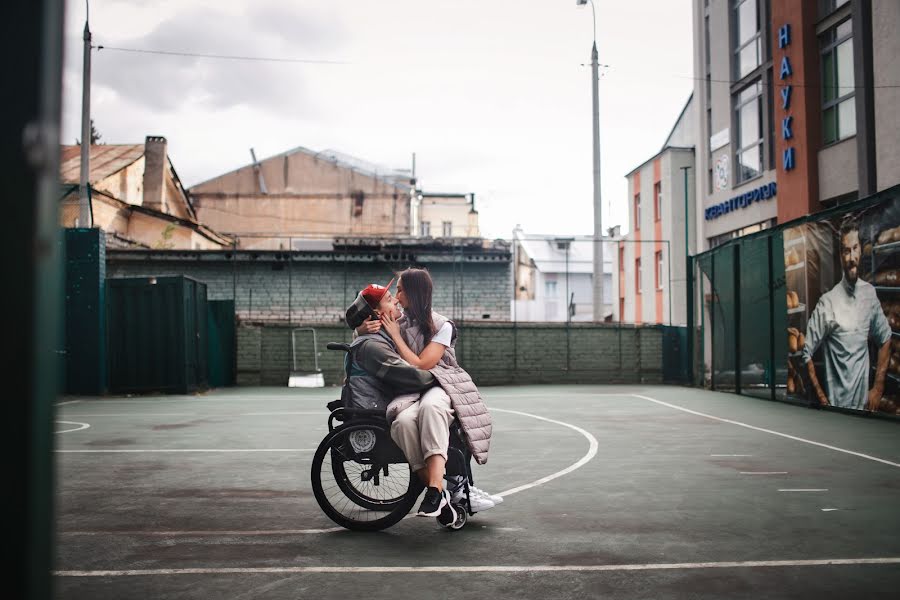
{"x":258,"y":171}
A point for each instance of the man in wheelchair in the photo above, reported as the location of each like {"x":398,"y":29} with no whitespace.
{"x":378,"y":378}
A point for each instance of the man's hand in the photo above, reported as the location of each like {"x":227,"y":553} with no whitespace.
{"x":369,"y":326}
{"x":823,"y":399}
{"x":874,"y":398}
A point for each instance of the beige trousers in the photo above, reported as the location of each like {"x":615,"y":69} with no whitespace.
{"x":423,"y":429}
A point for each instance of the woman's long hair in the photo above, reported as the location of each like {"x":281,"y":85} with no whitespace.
{"x":417,"y":286}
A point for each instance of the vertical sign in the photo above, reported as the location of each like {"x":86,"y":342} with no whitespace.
{"x":785,"y":73}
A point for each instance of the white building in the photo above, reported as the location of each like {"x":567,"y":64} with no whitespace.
{"x":553,"y":272}
{"x":650,"y":286}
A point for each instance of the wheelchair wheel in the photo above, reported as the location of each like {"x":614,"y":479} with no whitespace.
{"x":355,"y":486}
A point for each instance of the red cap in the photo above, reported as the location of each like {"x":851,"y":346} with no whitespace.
{"x":374,"y":293}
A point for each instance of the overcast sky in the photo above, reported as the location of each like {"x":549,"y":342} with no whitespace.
{"x":492,"y":95}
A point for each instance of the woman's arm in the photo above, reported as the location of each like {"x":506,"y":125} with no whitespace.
{"x":430,"y":356}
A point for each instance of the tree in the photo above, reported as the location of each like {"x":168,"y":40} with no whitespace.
{"x":95,"y":136}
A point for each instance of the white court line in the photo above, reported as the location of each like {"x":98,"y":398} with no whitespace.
{"x":764,"y":472}
{"x":755,"y":428}
{"x":80,"y":427}
{"x":804,"y":490}
{"x":592,"y":451}
{"x":749,"y":564}
{"x":67,"y":402}
{"x":730,"y":455}
{"x":152,"y":450}
{"x":209,"y":415}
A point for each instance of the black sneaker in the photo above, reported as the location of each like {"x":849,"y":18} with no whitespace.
{"x":448,"y":513}
{"x":435,"y":499}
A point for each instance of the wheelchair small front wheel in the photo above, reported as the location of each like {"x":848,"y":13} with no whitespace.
{"x":352,"y":483}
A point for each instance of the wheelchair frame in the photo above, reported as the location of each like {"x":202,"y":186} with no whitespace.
{"x":363,"y":439}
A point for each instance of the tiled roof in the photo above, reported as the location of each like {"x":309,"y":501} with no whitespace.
{"x":106,"y":159}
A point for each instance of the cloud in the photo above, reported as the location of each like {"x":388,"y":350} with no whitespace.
{"x":165,"y":83}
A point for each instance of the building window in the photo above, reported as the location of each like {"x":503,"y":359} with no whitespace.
{"x":727,"y":237}
{"x":447,"y":227}
{"x":621,"y":258}
{"x":637,"y":275}
{"x":748,"y":117}
{"x":657,"y":200}
{"x":637,"y":211}
{"x":747,"y":38}
{"x":425,"y":229}
{"x":550,"y":289}
{"x":826,"y":7}
{"x":659,"y":270}
{"x":838,"y":87}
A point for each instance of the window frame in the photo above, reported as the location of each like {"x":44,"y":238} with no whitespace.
{"x":755,"y":39}
{"x":447,"y":228}
{"x":637,"y":211}
{"x":831,"y":47}
{"x":424,"y":228}
{"x":657,"y":201}
{"x":758,"y":145}
{"x":659,"y":269}
{"x":637,"y":275}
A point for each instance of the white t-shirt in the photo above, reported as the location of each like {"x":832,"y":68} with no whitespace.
{"x":444,"y":334}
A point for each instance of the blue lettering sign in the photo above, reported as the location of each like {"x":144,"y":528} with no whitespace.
{"x":786,"y":70}
{"x":787,"y":159}
{"x":784,"y":35}
{"x":786,"y":97}
{"x":765,"y":192}
{"x":786,"y":131}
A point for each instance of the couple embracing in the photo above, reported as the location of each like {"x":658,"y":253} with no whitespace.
{"x":405,"y":363}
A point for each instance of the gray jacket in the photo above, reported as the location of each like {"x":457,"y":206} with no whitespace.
{"x":377,"y":374}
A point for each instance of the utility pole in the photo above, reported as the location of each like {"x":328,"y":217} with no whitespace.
{"x":598,"y":205}
{"x":84,"y":194}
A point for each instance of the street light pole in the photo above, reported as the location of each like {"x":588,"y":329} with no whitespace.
{"x":598,"y":207}
{"x":84,"y":199}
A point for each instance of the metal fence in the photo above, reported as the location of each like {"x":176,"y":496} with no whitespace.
{"x":766,"y":320}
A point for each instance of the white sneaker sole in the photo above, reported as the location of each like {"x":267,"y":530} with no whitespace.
{"x":438,"y":511}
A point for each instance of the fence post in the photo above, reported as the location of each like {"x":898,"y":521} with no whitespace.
{"x":736,"y":264}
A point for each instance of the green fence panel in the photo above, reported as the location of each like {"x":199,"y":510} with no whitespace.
{"x":221,"y":342}
{"x":85,"y":316}
{"x":723,"y":320}
{"x":755,"y":317}
{"x":157,"y":341}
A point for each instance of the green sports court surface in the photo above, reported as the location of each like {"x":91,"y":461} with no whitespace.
{"x":610,"y":491}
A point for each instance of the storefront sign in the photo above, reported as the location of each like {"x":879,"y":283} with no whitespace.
{"x":718,"y":139}
{"x":765,"y":192}
{"x":720,"y":172}
{"x":784,"y":40}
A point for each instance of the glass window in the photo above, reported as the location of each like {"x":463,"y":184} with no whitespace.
{"x":447,"y":228}
{"x":425,"y":229}
{"x":838,"y":83}
{"x":657,"y":193}
{"x":659,"y":270}
{"x":746,"y":36}
{"x":637,"y":275}
{"x":748,"y":156}
{"x":550,"y":288}
{"x":637,"y":211}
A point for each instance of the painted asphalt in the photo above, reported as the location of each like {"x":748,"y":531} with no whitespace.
{"x":617,"y":491}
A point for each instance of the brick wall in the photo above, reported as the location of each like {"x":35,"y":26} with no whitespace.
{"x":318,"y":291}
{"x":493,"y":353}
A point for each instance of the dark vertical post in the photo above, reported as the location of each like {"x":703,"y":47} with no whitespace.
{"x":688,"y":282}
{"x":771,"y":369}
{"x":736,"y":283}
{"x":713,"y":299}
{"x":864,"y":76}
{"x":31,"y":255}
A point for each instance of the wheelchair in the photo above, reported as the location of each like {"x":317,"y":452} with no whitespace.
{"x":360,"y":477}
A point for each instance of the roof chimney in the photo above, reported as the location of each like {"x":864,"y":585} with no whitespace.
{"x":155,"y":172}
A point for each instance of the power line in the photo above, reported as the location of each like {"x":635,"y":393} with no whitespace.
{"x":224,"y":56}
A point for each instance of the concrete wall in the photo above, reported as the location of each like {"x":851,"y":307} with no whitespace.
{"x":837,"y":169}
{"x":493,"y":353}
{"x":886,"y":68}
{"x":318,"y":291}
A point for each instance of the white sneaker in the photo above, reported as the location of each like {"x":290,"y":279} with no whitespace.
{"x":478,"y":499}
{"x":493,"y":497}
